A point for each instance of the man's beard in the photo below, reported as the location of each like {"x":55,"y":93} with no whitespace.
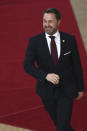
{"x":49,"y":30}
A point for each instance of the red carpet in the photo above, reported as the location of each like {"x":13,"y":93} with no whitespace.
{"x":19,"y":105}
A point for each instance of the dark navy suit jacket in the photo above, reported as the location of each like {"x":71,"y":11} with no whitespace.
{"x":68,"y":67}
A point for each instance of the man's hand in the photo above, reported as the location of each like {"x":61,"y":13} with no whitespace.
{"x":80,"y":95}
{"x":53,"y":78}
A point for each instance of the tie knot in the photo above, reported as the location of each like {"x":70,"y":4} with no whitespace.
{"x":52,"y":37}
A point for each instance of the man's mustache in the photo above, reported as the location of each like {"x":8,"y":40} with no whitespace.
{"x":48,"y":27}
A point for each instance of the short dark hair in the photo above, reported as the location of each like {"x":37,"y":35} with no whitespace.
{"x":54,"y":11}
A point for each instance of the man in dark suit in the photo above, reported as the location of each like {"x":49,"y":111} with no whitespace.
{"x":59,"y":73}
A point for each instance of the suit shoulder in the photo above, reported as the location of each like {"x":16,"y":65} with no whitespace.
{"x":35,"y":40}
{"x":36,"y":37}
{"x":67,"y":35}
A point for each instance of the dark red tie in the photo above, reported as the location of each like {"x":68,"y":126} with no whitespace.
{"x":54,"y":54}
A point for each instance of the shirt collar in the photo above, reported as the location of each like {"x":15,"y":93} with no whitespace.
{"x":57,"y":34}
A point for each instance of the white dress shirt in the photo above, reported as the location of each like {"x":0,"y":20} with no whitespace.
{"x":57,"y":41}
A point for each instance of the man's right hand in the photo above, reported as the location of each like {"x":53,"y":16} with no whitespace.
{"x":53,"y":78}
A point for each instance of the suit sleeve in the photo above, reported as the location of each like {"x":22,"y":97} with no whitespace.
{"x":29,"y":62}
{"x":77,"y":67}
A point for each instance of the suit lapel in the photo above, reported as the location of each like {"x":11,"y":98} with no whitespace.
{"x":45,"y":46}
{"x":62,"y":44}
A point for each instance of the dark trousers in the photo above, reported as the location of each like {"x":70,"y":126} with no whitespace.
{"x":60,"y":110}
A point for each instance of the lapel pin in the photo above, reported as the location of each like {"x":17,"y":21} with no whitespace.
{"x":63,"y":41}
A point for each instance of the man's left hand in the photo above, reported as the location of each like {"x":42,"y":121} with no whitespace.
{"x":80,"y":95}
